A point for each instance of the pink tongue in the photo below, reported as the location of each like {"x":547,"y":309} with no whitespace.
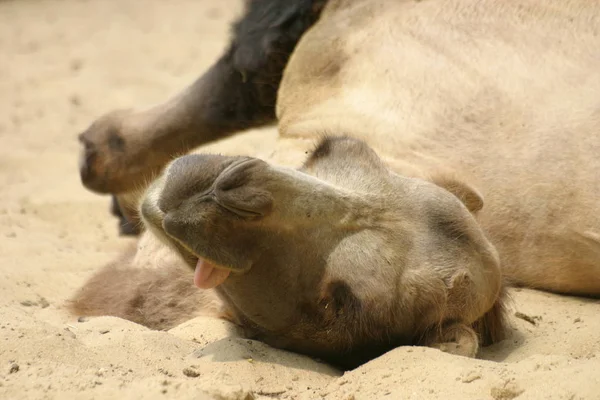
{"x":207,"y":276}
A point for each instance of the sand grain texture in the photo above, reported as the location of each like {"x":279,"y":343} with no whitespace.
{"x":63,"y":63}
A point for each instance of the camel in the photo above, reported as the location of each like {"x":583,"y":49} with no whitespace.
{"x":427,"y":155}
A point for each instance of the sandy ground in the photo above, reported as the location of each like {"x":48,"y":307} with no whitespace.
{"x":62,"y":63}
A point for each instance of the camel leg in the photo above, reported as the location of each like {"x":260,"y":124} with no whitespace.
{"x":127,"y":225}
{"x":458,"y":339}
{"x":124,"y":149}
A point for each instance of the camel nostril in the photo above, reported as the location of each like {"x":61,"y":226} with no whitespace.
{"x":241,"y":189}
{"x":247,"y":202}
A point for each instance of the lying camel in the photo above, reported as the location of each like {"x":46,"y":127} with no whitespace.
{"x":427,"y":153}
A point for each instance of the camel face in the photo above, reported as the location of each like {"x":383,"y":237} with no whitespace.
{"x":342,"y":229}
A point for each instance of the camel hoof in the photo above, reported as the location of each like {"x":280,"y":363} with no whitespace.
{"x":457,"y":339}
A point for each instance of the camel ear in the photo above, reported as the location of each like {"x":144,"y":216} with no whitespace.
{"x":469,"y":196}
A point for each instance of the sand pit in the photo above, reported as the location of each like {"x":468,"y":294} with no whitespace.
{"x":62,"y":64}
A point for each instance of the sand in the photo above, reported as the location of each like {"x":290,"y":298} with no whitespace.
{"x":63,"y":63}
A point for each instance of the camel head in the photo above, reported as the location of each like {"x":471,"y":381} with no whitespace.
{"x":342,"y":235}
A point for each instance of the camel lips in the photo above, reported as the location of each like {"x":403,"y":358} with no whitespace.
{"x":207,"y":276}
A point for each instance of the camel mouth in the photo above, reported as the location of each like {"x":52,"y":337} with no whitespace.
{"x":191,"y":257}
{"x":173,"y":227}
{"x":207,"y":274}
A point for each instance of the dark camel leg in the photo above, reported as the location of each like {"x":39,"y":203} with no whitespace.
{"x":124,"y":149}
{"x":127,"y":227}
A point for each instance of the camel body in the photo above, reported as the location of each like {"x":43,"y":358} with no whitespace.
{"x":504,"y":96}
{"x":492,"y":102}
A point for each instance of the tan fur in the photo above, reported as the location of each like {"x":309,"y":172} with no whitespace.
{"x":504,"y":95}
{"x":473,"y":123}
